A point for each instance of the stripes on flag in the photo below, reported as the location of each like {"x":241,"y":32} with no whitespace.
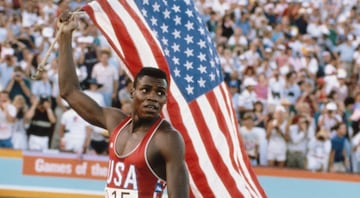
{"x":215,"y":157}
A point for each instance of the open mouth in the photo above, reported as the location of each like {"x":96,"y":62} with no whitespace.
{"x":151,"y":107}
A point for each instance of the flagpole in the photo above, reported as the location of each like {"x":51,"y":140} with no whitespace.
{"x":41,"y":66}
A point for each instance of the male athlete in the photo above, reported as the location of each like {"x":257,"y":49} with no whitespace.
{"x":145,"y":151}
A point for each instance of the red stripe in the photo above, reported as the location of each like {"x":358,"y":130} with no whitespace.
{"x":212,"y":151}
{"x":243,"y":151}
{"x":131,"y":54}
{"x":226,"y":132}
{"x":191,"y":156}
{"x":88,"y":9}
{"x":227,"y":97}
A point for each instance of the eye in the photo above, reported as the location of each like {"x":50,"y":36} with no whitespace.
{"x":144,"y":90}
{"x":161,"y":93}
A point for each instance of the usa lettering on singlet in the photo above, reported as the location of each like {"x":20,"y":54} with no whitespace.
{"x":130,"y":175}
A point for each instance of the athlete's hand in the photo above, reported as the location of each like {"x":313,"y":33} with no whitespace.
{"x":68,"y":21}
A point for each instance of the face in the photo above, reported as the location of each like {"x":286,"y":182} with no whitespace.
{"x":149,"y":96}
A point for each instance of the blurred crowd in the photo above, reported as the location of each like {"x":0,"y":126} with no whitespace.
{"x":32,"y":114}
{"x":292,"y":68}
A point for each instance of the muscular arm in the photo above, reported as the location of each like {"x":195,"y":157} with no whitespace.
{"x":172,"y":149}
{"x":70,"y":88}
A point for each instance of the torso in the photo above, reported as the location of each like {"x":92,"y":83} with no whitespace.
{"x":131,"y":161}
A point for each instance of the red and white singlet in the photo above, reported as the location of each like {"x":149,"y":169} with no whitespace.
{"x":130,"y":175}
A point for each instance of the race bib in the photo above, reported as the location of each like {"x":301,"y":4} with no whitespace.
{"x":120,"y":193}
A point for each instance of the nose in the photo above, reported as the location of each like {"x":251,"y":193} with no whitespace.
{"x":152,"y":96}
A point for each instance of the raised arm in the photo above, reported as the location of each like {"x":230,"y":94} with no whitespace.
{"x":69,"y":84}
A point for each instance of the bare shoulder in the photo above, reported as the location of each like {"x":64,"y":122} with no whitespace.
{"x":168,"y":138}
{"x":113,"y":117}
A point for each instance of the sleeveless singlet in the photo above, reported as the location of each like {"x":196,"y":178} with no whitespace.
{"x":130,"y":175}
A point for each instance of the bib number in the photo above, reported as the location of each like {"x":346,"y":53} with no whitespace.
{"x":120,"y":193}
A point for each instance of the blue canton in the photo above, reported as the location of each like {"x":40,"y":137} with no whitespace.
{"x":186,"y":43}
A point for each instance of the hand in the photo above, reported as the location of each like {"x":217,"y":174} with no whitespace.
{"x":69,"y":22}
{"x":47,"y":105}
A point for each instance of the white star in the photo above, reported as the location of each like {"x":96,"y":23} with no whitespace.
{"x":167,"y":52}
{"x":212,"y":63}
{"x":155,"y":33}
{"x":202,"y":44}
{"x":189,"y":39}
{"x":177,"y":20}
{"x":156,"y":7}
{"x":212,"y":76}
{"x":187,"y":2}
{"x":189,"y":52}
{"x":202,"y":69}
{"x":165,"y":2}
{"x":202,"y":31}
{"x":166,"y":14}
{"x":175,"y":47}
{"x":190,"y":90}
{"x":153,"y":21}
{"x":176,"y":60}
{"x":176,"y":34}
{"x":144,"y":12}
{"x":189,"y":26}
{"x":176,"y":8}
{"x":202,"y":57}
{"x":201,"y":82}
{"x":164,"y":28}
{"x":188,"y":65}
{"x":146,"y":2}
{"x":189,"y":13}
{"x":177,"y":72}
{"x":164,"y":41}
{"x":189,"y":78}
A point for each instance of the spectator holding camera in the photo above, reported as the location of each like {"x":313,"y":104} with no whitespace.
{"x":319,"y":147}
{"x":298,"y":136}
{"x":329,"y":117}
{"x":42,"y":121}
{"x":276,"y":136}
{"x":19,"y":85}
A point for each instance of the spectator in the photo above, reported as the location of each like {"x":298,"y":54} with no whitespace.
{"x":250,"y":138}
{"x":275,"y":134}
{"x":42,"y":120}
{"x":329,"y":118}
{"x":7,"y":118}
{"x":247,"y":97}
{"x":74,"y":132}
{"x":93,"y":91}
{"x":107,"y":75}
{"x":19,"y":85}
{"x":298,"y":136}
{"x":339,"y":161}
{"x":254,"y":140}
{"x":7,"y":68}
{"x":42,"y":88}
{"x":317,"y":157}
{"x":19,"y":138}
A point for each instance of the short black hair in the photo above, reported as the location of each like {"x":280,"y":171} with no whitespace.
{"x":152,"y":72}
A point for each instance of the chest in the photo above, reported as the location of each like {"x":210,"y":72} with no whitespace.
{"x":128,"y":141}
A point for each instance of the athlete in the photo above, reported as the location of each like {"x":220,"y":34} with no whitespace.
{"x":145,"y":152}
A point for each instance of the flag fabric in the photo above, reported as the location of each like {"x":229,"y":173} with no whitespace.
{"x":170,"y":35}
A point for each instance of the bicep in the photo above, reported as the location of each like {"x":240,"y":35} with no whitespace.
{"x":173,"y":151}
{"x":87,"y":108}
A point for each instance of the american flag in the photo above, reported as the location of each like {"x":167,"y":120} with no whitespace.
{"x":170,"y":35}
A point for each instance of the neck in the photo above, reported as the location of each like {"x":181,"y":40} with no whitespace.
{"x":142,"y":122}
